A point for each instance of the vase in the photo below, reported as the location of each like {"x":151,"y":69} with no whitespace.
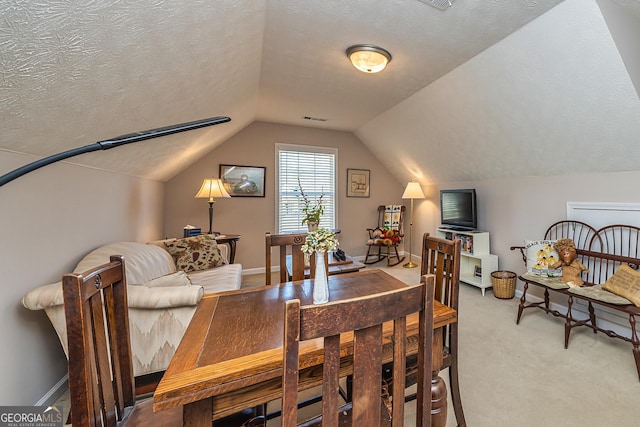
{"x":320,"y":284}
{"x":312,"y":226}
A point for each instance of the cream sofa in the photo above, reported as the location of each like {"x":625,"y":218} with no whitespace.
{"x":161,"y":300}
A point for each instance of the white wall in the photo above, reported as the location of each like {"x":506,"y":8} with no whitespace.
{"x":553,"y":98}
{"x":50,"y":219}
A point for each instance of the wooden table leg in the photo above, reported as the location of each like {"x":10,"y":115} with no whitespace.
{"x":438,"y":387}
{"x":199,"y":413}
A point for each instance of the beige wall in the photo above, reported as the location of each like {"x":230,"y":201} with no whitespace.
{"x":516,"y":209}
{"x":252,"y":217}
{"x":50,"y":219}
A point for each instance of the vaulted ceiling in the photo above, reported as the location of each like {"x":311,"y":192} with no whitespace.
{"x":478,"y":90}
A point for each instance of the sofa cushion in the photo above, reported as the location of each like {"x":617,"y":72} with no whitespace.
{"x":225,"y":278}
{"x":142,"y":262}
{"x":179,"y":278}
{"x":224,"y":249}
{"x":166,"y":297}
{"x":195,"y":253}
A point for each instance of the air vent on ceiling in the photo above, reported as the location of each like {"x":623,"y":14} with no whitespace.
{"x":440,"y":4}
{"x":317,"y":119}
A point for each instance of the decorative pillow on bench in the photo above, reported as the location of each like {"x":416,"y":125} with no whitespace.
{"x":626,"y":283}
{"x":540,"y":255}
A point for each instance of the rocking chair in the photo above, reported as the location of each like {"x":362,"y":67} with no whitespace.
{"x":390,"y":217}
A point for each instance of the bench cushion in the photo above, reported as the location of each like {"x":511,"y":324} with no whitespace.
{"x":550,"y":282}
{"x":597,"y":292}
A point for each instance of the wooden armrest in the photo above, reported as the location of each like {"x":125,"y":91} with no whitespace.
{"x":521,"y":249}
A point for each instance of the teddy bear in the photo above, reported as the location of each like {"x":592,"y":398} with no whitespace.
{"x":571,"y":266}
{"x":391,"y":237}
{"x":377,"y":234}
{"x":381,"y":236}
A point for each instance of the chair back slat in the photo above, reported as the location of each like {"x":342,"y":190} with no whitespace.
{"x":100,"y":367}
{"x":364,"y":317}
{"x":441,"y":257}
{"x":289,"y":245}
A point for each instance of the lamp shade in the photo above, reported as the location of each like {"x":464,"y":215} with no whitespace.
{"x":368,"y":58}
{"x":413,"y":191}
{"x":212,"y":188}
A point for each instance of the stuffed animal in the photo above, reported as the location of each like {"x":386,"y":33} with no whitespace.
{"x":391,"y":237}
{"x":377,"y":235}
{"x":382,"y":236}
{"x":571,"y":266}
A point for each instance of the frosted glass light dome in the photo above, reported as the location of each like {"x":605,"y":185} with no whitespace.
{"x":368,"y":58}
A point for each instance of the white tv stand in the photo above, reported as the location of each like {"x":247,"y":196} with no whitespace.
{"x":476,"y":263}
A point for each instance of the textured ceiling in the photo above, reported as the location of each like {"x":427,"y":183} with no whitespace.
{"x":75,"y":72}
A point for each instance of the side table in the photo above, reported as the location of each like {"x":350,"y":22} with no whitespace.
{"x":231,"y":240}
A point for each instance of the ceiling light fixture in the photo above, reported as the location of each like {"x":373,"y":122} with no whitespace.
{"x":368,"y":58}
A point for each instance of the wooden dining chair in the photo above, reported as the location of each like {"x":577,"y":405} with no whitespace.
{"x":101,"y":384}
{"x":441,"y":257}
{"x":372,"y":404}
{"x":290,"y":257}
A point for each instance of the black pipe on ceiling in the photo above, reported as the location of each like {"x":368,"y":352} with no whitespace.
{"x":112,"y":143}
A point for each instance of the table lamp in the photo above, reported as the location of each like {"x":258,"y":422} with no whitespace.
{"x":211,"y":188}
{"x":413,"y":191}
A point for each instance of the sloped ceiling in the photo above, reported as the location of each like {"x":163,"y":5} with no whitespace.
{"x":484,"y":82}
{"x":554,"y":98}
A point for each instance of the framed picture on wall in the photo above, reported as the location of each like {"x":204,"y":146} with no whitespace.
{"x":243,"y":181}
{"x":358,"y":182}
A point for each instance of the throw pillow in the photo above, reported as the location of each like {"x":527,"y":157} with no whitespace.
{"x":626,"y":283}
{"x":195,"y":253}
{"x":540,"y":256}
{"x":179,"y":278}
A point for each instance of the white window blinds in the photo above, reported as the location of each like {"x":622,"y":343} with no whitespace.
{"x":315,"y":167}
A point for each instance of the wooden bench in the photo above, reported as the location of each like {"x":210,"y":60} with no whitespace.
{"x":602,"y":251}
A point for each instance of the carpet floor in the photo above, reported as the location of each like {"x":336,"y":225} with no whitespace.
{"x":521,"y":375}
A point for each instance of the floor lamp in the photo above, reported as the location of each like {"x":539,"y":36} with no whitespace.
{"x":413,"y":191}
{"x":211,"y":188}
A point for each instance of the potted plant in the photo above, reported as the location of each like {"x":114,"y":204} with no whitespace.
{"x":312,"y":209}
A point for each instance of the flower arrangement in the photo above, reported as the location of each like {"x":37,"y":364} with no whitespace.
{"x":313,"y":210}
{"x":322,"y":240}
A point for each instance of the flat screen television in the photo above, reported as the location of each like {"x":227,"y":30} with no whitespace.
{"x":458,"y":209}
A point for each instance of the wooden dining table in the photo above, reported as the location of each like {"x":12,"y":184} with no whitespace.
{"x":230,"y":357}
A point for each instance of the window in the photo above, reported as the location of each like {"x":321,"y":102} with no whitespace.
{"x":316,"y":169}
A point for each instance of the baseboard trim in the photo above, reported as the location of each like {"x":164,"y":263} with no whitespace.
{"x":54,"y":393}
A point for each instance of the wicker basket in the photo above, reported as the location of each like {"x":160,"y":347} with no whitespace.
{"x":504,"y":284}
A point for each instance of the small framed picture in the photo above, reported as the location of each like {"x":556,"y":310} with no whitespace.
{"x":477,"y":271}
{"x":243,"y":181}
{"x":358,"y":182}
